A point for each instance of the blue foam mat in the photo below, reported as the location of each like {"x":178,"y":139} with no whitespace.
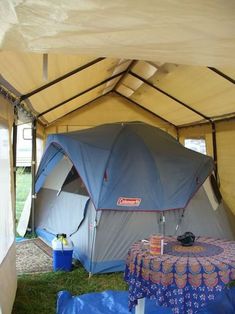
{"x":107,"y":302}
{"x":20,"y":239}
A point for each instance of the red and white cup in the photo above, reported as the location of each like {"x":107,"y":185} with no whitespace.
{"x":156,"y":245}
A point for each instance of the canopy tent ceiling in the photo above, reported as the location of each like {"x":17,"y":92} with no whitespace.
{"x":183,"y":32}
{"x":179,"y":94}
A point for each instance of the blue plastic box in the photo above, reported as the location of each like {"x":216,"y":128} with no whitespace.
{"x":62,"y":260}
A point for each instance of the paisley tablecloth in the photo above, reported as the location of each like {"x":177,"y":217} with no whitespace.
{"x":183,"y":278}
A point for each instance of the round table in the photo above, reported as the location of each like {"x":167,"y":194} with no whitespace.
{"x":183,"y":278}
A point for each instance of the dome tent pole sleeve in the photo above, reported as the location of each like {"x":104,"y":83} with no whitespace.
{"x":110,"y":153}
{"x":83,"y":218}
{"x":33,"y":173}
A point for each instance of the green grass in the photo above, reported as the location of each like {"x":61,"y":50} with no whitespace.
{"x":23,"y":184}
{"x":37,"y":293}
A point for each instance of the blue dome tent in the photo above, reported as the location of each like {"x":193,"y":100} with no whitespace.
{"x":129,"y":161}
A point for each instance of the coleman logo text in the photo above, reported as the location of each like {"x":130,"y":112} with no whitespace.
{"x":129,"y":201}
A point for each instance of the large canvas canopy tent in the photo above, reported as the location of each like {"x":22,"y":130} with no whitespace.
{"x":109,"y":186}
{"x":185,"y":85}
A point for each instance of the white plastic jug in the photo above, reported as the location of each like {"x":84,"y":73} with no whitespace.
{"x":62,"y":243}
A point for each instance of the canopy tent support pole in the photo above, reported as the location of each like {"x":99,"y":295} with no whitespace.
{"x":61,"y":78}
{"x":14,"y":151}
{"x":81,"y":93}
{"x":168,"y":95}
{"x":214,"y":143}
{"x":224,"y":118}
{"x":177,"y":134}
{"x":17,"y":102}
{"x":213,"y":127}
{"x":33,"y":172}
{"x":226,"y":77}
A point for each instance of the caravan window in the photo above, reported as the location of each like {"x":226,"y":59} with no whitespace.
{"x":198,"y":145}
{"x":74,"y":184}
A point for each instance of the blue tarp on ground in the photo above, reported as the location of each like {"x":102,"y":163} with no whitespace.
{"x":110,"y":302}
{"x":129,"y":166}
{"x":107,"y":302}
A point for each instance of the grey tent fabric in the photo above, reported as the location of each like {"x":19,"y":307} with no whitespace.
{"x":104,"y":237}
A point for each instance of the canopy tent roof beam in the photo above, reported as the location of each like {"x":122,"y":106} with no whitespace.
{"x":61,"y":78}
{"x":195,"y":124}
{"x":145,"y":109}
{"x":168,"y":95}
{"x":225,"y":76}
{"x":81,"y":93}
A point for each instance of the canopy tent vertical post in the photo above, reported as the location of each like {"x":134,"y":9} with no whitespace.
{"x":33,"y":171}
{"x":14,"y":153}
{"x":177,"y":134}
{"x":214,"y":149}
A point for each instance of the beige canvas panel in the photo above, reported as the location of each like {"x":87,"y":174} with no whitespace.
{"x":74,"y":104}
{"x":198,"y":32}
{"x":226,"y":156}
{"x":107,"y":109}
{"x":198,"y":87}
{"x":73,"y":85}
{"x":164,"y":106}
{"x":24,"y":71}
